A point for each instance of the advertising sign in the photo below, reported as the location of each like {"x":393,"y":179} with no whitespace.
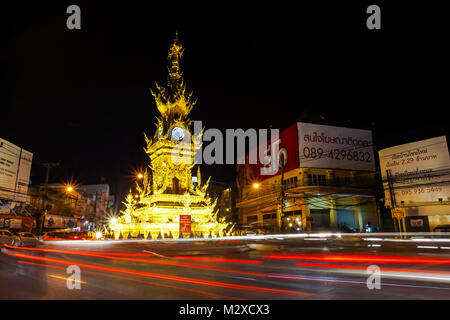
{"x":321,"y":146}
{"x":5,"y":207}
{"x":416,"y":172}
{"x":59,"y":222}
{"x":287,"y":144}
{"x":15,"y":167}
{"x":185,"y":223}
{"x":15,"y":222}
{"x":5,"y":221}
{"x":416,"y":222}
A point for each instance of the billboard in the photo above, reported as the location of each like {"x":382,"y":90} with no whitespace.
{"x":287,"y":144}
{"x":59,"y":222}
{"x":15,"y":167}
{"x":416,"y":171}
{"x":329,"y":147}
{"x":16,"y":222}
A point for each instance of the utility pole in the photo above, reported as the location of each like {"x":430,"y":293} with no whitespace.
{"x":48,"y":166}
{"x":392,"y":195}
{"x":282,"y":193}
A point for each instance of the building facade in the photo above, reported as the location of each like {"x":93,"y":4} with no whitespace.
{"x":322,"y":185}
{"x":57,"y":206}
{"x":96,"y":202}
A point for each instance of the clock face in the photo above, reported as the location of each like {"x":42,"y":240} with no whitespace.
{"x":177,"y":134}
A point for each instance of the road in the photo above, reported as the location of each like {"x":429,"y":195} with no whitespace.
{"x":255,"y":269}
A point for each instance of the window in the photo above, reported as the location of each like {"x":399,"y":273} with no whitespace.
{"x":269,"y":216}
{"x":336,"y":180}
{"x":321,"y":180}
{"x":317,"y":180}
{"x":175,"y":185}
{"x":290,"y":183}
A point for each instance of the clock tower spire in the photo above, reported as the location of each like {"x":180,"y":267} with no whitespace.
{"x":169,"y":192}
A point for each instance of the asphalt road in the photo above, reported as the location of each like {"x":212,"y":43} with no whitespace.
{"x":271,"y":269}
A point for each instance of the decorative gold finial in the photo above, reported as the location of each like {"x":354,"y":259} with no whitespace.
{"x":173,"y":100}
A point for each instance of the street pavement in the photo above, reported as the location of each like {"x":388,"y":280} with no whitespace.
{"x":238,"y":269}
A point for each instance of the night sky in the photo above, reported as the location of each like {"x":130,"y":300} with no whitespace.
{"x":82,"y":96}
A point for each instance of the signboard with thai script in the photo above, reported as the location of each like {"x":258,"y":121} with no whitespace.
{"x":416,"y":172}
{"x":15,"y":167}
{"x":321,"y":146}
{"x":185,"y":223}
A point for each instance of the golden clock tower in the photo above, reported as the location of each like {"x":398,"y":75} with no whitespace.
{"x":168,"y":191}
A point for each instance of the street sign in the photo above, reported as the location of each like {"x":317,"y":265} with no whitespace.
{"x":398,"y":213}
{"x":185,"y":224}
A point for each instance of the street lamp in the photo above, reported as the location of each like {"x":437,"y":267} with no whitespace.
{"x":140,"y":175}
{"x":256,"y":185}
{"x":69,"y":188}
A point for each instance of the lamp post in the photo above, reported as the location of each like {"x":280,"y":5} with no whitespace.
{"x":41,"y":220}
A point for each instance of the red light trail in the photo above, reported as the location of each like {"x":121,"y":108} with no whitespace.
{"x":334,"y":266}
{"x":136,"y":280}
{"x":360,"y":259}
{"x":219,"y":259}
{"x":157,"y":275}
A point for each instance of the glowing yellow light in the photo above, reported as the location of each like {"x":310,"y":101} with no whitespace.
{"x":140,"y":175}
{"x":69,"y":189}
{"x":256,"y":185}
{"x":113,"y":220}
{"x":98,"y":235}
{"x":64,"y":278}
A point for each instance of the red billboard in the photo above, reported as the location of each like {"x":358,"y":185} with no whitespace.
{"x":287,"y":141}
{"x":185,"y":223}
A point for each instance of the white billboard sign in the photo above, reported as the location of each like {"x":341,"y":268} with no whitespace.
{"x":15,"y":167}
{"x":332,"y":147}
{"x":54,"y":221}
{"x":418,"y":171}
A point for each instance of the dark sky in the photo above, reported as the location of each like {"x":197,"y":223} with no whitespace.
{"x":82,"y":97}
